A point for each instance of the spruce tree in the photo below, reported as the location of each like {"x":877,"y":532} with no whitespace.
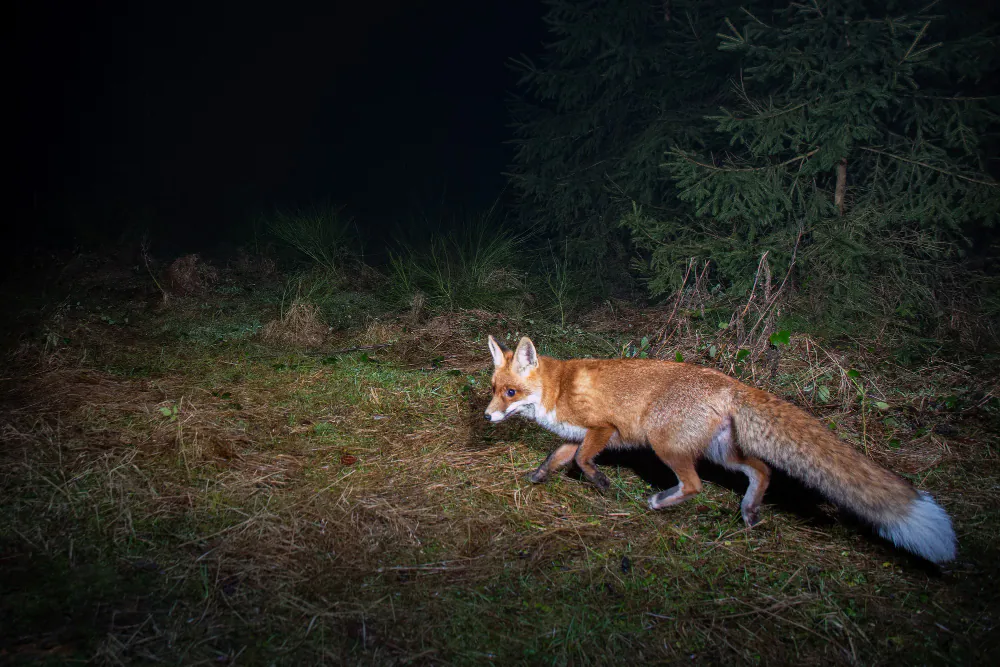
{"x":621,"y":82}
{"x":855,"y":137}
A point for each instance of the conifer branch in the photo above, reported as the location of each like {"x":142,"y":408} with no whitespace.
{"x":735,"y":38}
{"x":954,"y":98}
{"x":920,"y":35}
{"x":991,"y":184}
{"x":741,"y":90}
{"x":797,"y":158}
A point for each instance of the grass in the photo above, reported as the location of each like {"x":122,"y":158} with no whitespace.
{"x":322,"y":234}
{"x":175,"y":489}
{"x":464,"y":263}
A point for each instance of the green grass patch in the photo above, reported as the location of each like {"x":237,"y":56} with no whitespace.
{"x":178,"y":490}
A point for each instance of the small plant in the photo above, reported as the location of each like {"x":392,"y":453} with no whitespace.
{"x":779,"y":338}
{"x":641,"y":351}
{"x":171,"y":412}
{"x":855,"y":377}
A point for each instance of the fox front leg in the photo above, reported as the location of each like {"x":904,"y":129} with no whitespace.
{"x":594,"y":441}
{"x":560,"y":457}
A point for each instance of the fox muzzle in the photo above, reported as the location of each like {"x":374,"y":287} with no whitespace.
{"x":495,"y":416}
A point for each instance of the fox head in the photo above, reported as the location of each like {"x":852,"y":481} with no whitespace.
{"x":516,"y":385}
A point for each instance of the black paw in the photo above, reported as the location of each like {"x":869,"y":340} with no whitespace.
{"x":538,"y":476}
{"x":751,"y":516}
{"x":601,"y":481}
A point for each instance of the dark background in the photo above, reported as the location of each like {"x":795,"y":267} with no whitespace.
{"x":196,"y":117}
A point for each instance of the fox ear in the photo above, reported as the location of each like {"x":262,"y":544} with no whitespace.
{"x":496,"y":351}
{"x":525,"y":357}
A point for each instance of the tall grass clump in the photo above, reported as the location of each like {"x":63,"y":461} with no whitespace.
{"x":341,"y":302}
{"x":336,"y":282}
{"x":562,"y":290}
{"x":321,"y":234}
{"x":466,"y":263}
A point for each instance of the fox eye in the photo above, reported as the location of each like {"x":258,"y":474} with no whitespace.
{"x":511,"y":392}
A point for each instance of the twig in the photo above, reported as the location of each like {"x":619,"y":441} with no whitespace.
{"x":680,"y":293}
{"x":144,"y":247}
{"x":777,"y":293}
{"x":756,"y":278}
{"x":663,"y":337}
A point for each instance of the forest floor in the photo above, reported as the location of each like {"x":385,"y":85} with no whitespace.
{"x":179,"y":486}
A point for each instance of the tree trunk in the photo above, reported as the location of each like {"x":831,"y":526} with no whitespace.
{"x":838,"y":197}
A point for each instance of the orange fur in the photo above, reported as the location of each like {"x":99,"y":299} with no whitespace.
{"x":686,"y":412}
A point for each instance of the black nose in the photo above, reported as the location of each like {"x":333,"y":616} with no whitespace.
{"x":487,"y":415}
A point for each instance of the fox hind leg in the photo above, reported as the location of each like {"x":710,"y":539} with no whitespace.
{"x":722,"y":451}
{"x":559,"y":458}
{"x":678,"y":444}
{"x":759,"y":476}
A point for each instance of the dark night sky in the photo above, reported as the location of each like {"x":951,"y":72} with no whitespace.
{"x":206,"y":113}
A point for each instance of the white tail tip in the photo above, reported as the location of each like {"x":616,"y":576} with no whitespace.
{"x":925,"y":530}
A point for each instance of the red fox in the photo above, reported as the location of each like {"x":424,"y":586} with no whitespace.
{"x":685,"y":412}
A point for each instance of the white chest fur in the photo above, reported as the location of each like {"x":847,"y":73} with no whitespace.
{"x":548,"y":420}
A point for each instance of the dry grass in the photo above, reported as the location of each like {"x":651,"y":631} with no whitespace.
{"x":443,"y":341}
{"x":379,"y":332}
{"x":301,"y":325}
{"x":190,"y":275}
{"x":254,"y":265}
{"x":243,"y":503}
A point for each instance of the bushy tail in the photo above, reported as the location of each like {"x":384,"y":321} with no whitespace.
{"x":789,"y":439}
